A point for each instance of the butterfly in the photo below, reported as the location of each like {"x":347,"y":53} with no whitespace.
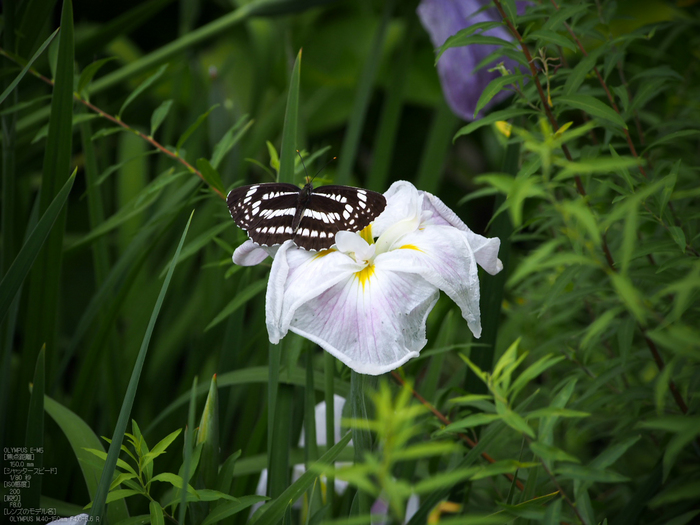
{"x":274,"y":212}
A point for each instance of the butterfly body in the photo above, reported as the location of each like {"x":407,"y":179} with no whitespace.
{"x":272,"y":213}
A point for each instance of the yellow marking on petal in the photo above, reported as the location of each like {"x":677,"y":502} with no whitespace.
{"x":504,"y":127}
{"x":365,"y":274}
{"x":410,"y":247}
{"x":323,"y":253}
{"x":366,"y":234}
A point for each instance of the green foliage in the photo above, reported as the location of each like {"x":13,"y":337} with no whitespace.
{"x":579,"y":404}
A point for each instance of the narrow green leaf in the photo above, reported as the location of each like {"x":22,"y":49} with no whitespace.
{"x":239,"y":300}
{"x":15,"y":276}
{"x":187,"y":452}
{"x":232,"y":507}
{"x":582,"y":473}
{"x":290,"y":127}
{"x":503,"y":114}
{"x":593,"y":107}
{"x":98,"y":510}
{"x":34,"y":437}
{"x":156,"y":513}
{"x":563,"y":14}
{"x":550,"y":37}
{"x":19,"y":77}
{"x":229,"y":140}
{"x":208,"y":436}
{"x":89,"y":72}
{"x":194,"y":127}
{"x":142,"y":87}
{"x":159,"y":115}
{"x":351,"y":140}
{"x":82,"y":439}
{"x":276,"y":508}
{"x":580,"y":72}
{"x":211,"y":176}
{"x":629,"y":295}
{"x":494,"y":87}
{"x":551,"y":454}
{"x":474,"y":420}
{"x":466,"y":37}
{"x":516,"y":422}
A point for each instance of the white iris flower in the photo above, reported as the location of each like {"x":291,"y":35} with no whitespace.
{"x":367,"y":302}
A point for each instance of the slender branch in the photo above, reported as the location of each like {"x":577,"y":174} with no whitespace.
{"x":446,"y":421}
{"x":119,"y":122}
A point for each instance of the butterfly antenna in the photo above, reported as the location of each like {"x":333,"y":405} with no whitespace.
{"x":324,"y":166}
{"x":308,"y":179}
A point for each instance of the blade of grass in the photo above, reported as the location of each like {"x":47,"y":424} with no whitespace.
{"x":42,"y":305}
{"x":81,"y":437}
{"x":19,"y":77}
{"x":430,"y":170}
{"x":492,"y":285}
{"x":391,"y":111}
{"x":34,"y":437}
{"x":254,"y":374}
{"x":276,"y":508}
{"x":351,"y":141}
{"x":187,"y":453}
{"x":291,"y":126}
{"x":361,"y":437}
{"x":32,"y":17}
{"x":15,"y":276}
{"x":98,"y":508}
{"x":328,"y":395}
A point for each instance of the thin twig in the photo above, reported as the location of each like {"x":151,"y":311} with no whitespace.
{"x":446,"y":421}
{"x":119,"y":122}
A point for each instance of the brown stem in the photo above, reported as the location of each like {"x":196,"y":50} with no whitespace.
{"x":446,"y":421}
{"x":118,"y":122}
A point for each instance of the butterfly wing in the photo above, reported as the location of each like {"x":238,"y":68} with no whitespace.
{"x":331,"y":209}
{"x":265,"y":211}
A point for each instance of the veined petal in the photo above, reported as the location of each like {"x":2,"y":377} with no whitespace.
{"x":403,"y":202}
{"x":485,"y":249}
{"x":442,"y":256}
{"x":373,"y":323}
{"x":298,"y":276}
{"x":351,"y":242}
{"x":250,"y":254}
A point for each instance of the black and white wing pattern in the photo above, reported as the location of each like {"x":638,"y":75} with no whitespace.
{"x":274,"y":212}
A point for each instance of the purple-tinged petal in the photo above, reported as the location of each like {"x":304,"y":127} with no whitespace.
{"x":251,"y":254}
{"x":485,"y":249}
{"x":442,"y":256}
{"x":462,"y":85}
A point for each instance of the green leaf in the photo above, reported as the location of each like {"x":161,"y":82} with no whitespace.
{"x":550,"y":453}
{"x":550,"y":37}
{"x":291,"y":126}
{"x":89,"y":72}
{"x":15,"y":276}
{"x":474,"y":420}
{"x":160,"y":448}
{"x":561,"y":15}
{"x":142,"y":87}
{"x":229,"y":140}
{"x":582,"y":473}
{"x":677,"y":492}
{"x":156,"y":513}
{"x":516,"y":422}
{"x":19,"y":77}
{"x":194,"y":127}
{"x":81,"y":439}
{"x":230,"y":508}
{"x":495,"y":116}
{"x":159,"y":115}
{"x":239,"y":300}
{"x":579,"y":73}
{"x":629,"y":295}
{"x":211,"y":176}
{"x":678,"y":236}
{"x":275,"y":509}
{"x":593,"y":107}
{"x":532,"y":372}
{"x":34,"y":436}
{"x":466,"y":37}
{"x":494,"y":87}
{"x":98,"y":510}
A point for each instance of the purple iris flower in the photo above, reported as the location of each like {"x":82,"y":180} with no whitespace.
{"x":462,"y":85}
